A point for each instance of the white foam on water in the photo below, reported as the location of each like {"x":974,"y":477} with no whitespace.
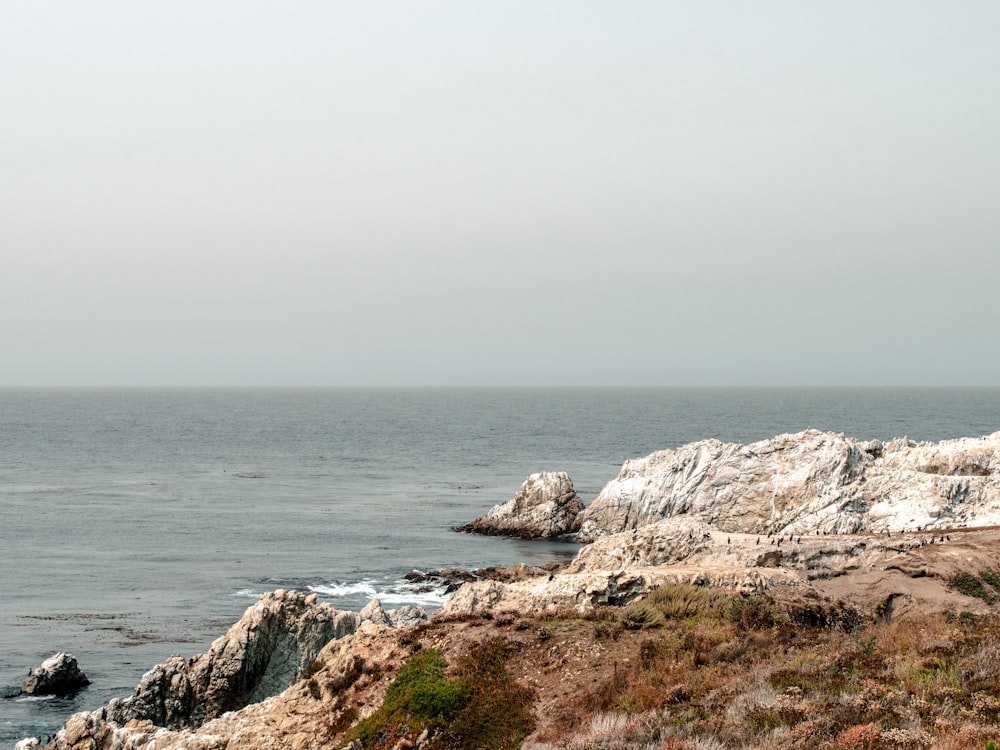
{"x":340,"y":590}
{"x":424,"y":598}
{"x":398,"y":592}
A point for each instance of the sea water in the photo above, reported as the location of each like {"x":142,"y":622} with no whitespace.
{"x":140,"y":523}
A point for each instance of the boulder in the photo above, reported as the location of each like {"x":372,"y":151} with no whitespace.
{"x":58,"y":675}
{"x":803,"y":483}
{"x":545,"y":506}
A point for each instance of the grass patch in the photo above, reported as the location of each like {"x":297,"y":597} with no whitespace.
{"x":971,"y":585}
{"x":480,"y":707}
{"x":673,"y":601}
{"x":991,"y":577}
{"x":497,"y":714}
{"x":418,"y":698}
{"x":753,"y":613}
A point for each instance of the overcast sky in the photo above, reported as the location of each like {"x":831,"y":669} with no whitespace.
{"x":530,"y":193}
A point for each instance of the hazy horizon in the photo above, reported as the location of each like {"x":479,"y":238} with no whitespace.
{"x":519,"y":194}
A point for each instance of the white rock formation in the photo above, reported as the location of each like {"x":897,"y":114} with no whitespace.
{"x":58,"y":675}
{"x":545,"y":506}
{"x":805,"y":483}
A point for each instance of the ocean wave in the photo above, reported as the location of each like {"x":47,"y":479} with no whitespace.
{"x":340,"y":590}
{"x":396,"y":592}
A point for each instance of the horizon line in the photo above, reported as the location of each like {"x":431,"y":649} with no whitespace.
{"x":489,"y":386}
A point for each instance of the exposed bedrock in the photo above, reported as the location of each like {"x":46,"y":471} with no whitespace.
{"x":58,"y":675}
{"x":545,"y":506}
{"x":262,"y":654}
{"x":808,"y":482}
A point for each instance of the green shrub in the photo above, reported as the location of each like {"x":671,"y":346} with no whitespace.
{"x":672,"y":601}
{"x":640,"y":615}
{"x":753,"y":612}
{"x":992,"y":578}
{"x":970,"y":585}
{"x":418,"y":698}
{"x":497,"y":715}
{"x":480,"y":707}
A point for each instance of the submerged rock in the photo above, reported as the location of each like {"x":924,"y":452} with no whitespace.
{"x":58,"y":675}
{"x":545,"y":506}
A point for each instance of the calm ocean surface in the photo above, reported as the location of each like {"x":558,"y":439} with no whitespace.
{"x":135,"y":524}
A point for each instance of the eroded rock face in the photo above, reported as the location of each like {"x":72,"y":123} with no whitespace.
{"x":806,"y":482}
{"x":301,"y":717}
{"x":276,"y":642}
{"x":687,"y":541}
{"x":545,"y":506}
{"x":583,"y":592}
{"x":272,"y":645}
{"x":58,"y":675}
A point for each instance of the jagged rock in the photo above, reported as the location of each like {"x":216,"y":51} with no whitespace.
{"x":805,"y":483}
{"x":273,"y":643}
{"x":545,"y":506}
{"x":58,"y":675}
{"x":448,"y":578}
{"x":519,"y":572}
{"x":451,"y":579}
{"x":372,"y":615}
{"x":300,"y":717}
{"x":407,"y":616}
{"x":671,"y":540}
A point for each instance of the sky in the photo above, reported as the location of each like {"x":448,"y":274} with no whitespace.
{"x":537,"y":193}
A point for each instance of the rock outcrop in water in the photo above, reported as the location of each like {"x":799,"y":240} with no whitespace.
{"x":58,"y":675}
{"x":545,"y":506}
{"x":806,"y":483}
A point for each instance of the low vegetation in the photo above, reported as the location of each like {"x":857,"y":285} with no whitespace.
{"x":687,"y":668}
{"x":480,"y":706}
{"x":972,"y":585}
{"x":721,"y":671}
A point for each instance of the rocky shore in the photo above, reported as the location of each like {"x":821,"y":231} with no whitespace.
{"x":816,"y":530}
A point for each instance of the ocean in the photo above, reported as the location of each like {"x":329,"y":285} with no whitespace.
{"x":140,"y":523}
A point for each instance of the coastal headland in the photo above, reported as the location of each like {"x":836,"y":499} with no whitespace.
{"x":811,"y":590}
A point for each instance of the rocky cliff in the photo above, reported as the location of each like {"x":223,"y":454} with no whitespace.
{"x":803,"y":483}
{"x":274,"y":644}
